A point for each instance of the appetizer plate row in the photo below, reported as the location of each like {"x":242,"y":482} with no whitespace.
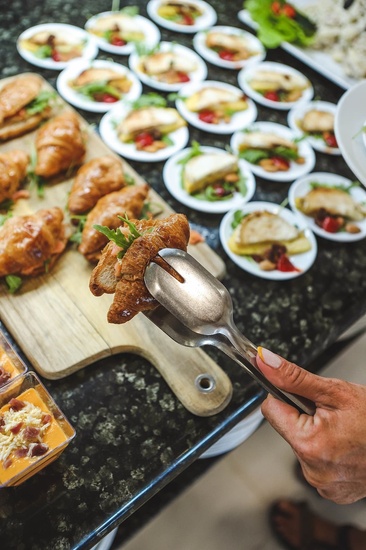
{"x":186,"y":18}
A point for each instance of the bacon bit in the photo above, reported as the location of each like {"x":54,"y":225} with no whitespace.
{"x":30,"y":432}
{"x":196,"y":237}
{"x":38,"y":449}
{"x":16,"y":404}
{"x":21,"y":453}
{"x":16,"y":429}
{"x":21,"y":194}
{"x":46,"y":418}
{"x":59,"y":247}
{"x":7,"y":462}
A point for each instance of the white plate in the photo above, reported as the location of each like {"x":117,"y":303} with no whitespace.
{"x":247,"y":74}
{"x":150,"y":31}
{"x":255,"y":45}
{"x":297,"y":114}
{"x":302,"y":186}
{"x":81,"y":101}
{"x":207,"y":19}
{"x":302,"y":261}
{"x":197,"y":75}
{"x":317,"y":60}
{"x":172,"y":178}
{"x":238,"y":121}
{"x":90,"y":50}
{"x":296,"y":170}
{"x":108,"y":132}
{"x":348,"y":124}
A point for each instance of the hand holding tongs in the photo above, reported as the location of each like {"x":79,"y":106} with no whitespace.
{"x":196,"y":310}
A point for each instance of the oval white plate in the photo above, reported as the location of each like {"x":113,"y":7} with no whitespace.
{"x":172,"y":178}
{"x":207,"y":19}
{"x":302,"y":186}
{"x":81,"y":101}
{"x":297,"y":114}
{"x":302,"y":261}
{"x":296,"y":170}
{"x":348,"y":124}
{"x":255,"y":45}
{"x":150,"y":31}
{"x":108,"y":132}
{"x":90,"y":50}
{"x":238,"y":121}
{"x":246,"y":74}
{"x":197,"y":75}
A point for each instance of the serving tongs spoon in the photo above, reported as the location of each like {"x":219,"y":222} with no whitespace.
{"x":196,"y":310}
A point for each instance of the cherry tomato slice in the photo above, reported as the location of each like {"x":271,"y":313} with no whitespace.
{"x":289,"y":11}
{"x":117,"y":41}
{"x":281,"y":163}
{"x":55,"y":55}
{"x":108,"y":98}
{"x":272,"y":96}
{"x":226,"y":55}
{"x":330,"y":139}
{"x":332,"y":225}
{"x":144,"y":139}
{"x":284,"y":264}
{"x":183,"y":77}
{"x":187,"y":20}
{"x":207,"y":116}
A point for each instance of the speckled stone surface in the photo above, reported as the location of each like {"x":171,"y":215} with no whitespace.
{"x":133,"y":435}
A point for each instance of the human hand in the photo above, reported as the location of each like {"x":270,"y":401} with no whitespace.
{"x":331,"y":445}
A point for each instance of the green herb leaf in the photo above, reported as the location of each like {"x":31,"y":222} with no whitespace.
{"x":43,"y":52}
{"x":13,"y":283}
{"x":98,"y":87}
{"x":132,"y":11}
{"x":42,"y":101}
{"x":4,"y":217}
{"x":194,"y":152}
{"x":340,"y":187}
{"x":149,"y":100}
{"x":129,"y":179}
{"x":116,"y":235}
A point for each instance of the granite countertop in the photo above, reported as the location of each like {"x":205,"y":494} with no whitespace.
{"x":133,"y":436}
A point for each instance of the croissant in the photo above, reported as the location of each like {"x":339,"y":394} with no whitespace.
{"x":59,"y":144}
{"x":125,"y":277}
{"x":15,"y":96}
{"x":13,"y":169}
{"x":129,"y":202}
{"x":29,"y":245}
{"x":94,"y":179}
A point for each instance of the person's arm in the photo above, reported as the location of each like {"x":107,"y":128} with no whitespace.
{"x":331,"y":445}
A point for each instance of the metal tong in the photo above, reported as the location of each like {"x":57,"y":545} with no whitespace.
{"x":196,"y":310}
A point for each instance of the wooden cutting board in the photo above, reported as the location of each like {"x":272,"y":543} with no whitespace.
{"x":61,"y":327}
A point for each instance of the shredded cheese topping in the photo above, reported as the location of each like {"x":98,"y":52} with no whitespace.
{"x":28,"y":416}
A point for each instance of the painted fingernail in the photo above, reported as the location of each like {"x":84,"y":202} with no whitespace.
{"x":270,"y":358}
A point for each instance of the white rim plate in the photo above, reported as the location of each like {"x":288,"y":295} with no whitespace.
{"x":82,"y":102}
{"x":297,"y":113}
{"x":246,"y":74}
{"x":197,"y":75}
{"x":172,"y":180}
{"x":302,"y":186}
{"x":302,"y":261}
{"x":90,"y":50}
{"x":296,"y":170}
{"x":207,"y":19}
{"x":150,"y":31}
{"x":238,"y":121}
{"x":108,"y":132}
{"x":255,"y":45}
{"x":348,"y":124}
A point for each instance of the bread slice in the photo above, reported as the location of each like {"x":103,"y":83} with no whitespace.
{"x":334,"y":201}
{"x":214,"y":98}
{"x":208,"y":168}
{"x":163,"y":120}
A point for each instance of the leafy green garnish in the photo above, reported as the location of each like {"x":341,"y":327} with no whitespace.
{"x":4,"y":217}
{"x":132,"y":11}
{"x":275,"y":28}
{"x":167,"y":140}
{"x":149,"y":100}
{"x":98,"y":87}
{"x":142,"y":49}
{"x":43,"y":52}
{"x":237,"y":217}
{"x":254,"y":156}
{"x":194,"y":152}
{"x":40,"y":102}
{"x":13,"y":283}
{"x":129,"y":179}
{"x":35,"y":181}
{"x":76,"y":236}
{"x":116,"y":235}
{"x":341,"y":187}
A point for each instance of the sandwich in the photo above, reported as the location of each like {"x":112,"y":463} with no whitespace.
{"x":230,"y":47}
{"x":271,"y":152}
{"x":319,"y":124}
{"x":118,"y":28}
{"x":168,"y":67}
{"x":332,"y":208}
{"x":215,"y":105}
{"x":13,"y":170}
{"x":179,"y":11}
{"x":279,"y":86}
{"x":266,"y":237}
{"x":54,"y":45}
{"x":23,"y":105}
{"x":101,"y":84}
{"x":147,"y":127}
{"x":212,"y":170}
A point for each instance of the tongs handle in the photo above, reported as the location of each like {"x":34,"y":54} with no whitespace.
{"x":244,"y":352}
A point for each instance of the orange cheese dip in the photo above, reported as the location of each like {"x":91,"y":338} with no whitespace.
{"x":7,"y":368}
{"x":29,"y":430}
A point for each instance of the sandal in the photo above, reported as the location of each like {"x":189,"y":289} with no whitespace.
{"x":307,"y":540}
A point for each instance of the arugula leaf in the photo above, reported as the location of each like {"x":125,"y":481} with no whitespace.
{"x":149,"y":100}
{"x":116,"y":235}
{"x":40,"y":102}
{"x":340,"y":187}
{"x":43,"y":52}
{"x":98,"y":87}
{"x":254,"y":156}
{"x":76,"y":236}
{"x":132,"y":11}
{"x":275,"y":28}
{"x":237,"y":217}
{"x":194,"y":152}
{"x":13,"y":283}
{"x":35,"y":181}
{"x":4,"y":217}
{"x":129,"y":179}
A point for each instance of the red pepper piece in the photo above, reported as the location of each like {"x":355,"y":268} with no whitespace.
{"x":226,"y":55}
{"x":284,"y":264}
{"x":330,"y":139}
{"x":144,"y":139}
{"x":207,"y":116}
{"x":272,"y":96}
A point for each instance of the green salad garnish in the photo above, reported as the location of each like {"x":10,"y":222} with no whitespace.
{"x":122,"y":241}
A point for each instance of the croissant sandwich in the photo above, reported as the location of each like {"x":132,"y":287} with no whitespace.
{"x":23,"y":106}
{"x":13,"y":169}
{"x":59,"y":145}
{"x":121,"y":269}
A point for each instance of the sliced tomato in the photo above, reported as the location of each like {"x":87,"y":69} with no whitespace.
{"x":284,"y":264}
{"x":330,"y":139}
{"x":281,"y":163}
{"x":332,"y":225}
{"x":108,"y":98}
{"x":118,"y":41}
{"x":272,"y":96}
{"x":207,"y":116}
{"x":55,"y":55}
{"x":183,"y":77}
{"x":144,"y":139}
{"x":226,"y":55}
{"x":187,"y":20}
